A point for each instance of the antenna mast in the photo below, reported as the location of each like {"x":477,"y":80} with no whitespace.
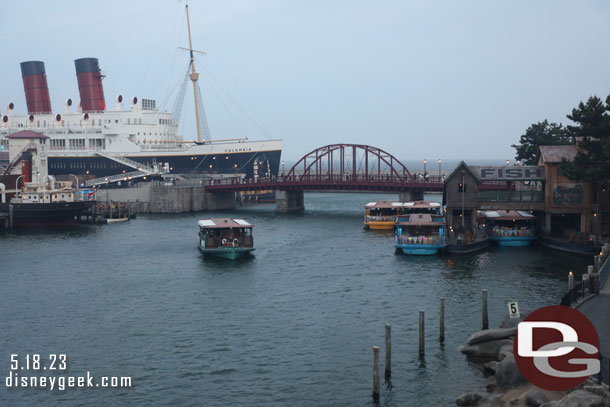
{"x":194,"y":76}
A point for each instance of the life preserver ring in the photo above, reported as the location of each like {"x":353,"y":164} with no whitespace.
{"x":235,"y":241}
{"x":224,"y":241}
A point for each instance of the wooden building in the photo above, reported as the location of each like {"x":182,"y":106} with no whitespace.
{"x":461,"y":198}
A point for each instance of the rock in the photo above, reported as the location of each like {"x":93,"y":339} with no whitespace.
{"x":468,"y":399}
{"x":578,"y":398}
{"x":491,"y":387}
{"x":508,"y":374}
{"x":485,"y":349}
{"x":514,"y":402}
{"x":504,"y":350}
{"x":490,"y":367}
{"x":535,"y":398}
{"x":509,"y":322}
{"x":491,"y":335}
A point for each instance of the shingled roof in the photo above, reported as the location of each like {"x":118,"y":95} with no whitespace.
{"x":555,"y":154}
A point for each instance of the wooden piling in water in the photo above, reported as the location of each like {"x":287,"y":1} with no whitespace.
{"x":10,"y":216}
{"x":442,"y":321}
{"x":375,"y":372}
{"x":388,"y":349}
{"x":485,"y":316}
{"x":421,"y":334}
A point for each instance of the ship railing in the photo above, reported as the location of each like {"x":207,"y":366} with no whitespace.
{"x":128,"y":176}
{"x":358,"y":178}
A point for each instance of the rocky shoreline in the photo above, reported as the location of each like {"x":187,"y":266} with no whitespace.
{"x":492,"y":350}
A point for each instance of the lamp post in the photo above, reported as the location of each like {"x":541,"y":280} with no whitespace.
{"x":283,"y":163}
{"x":425,"y":162}
{"x":439,"y":169}
{"x":507,"y":162}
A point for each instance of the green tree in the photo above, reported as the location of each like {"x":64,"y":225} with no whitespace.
{"x":540,"y":134}
{"x":592,"y":133}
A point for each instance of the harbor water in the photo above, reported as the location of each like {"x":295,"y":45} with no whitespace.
{"x":292,"y":326}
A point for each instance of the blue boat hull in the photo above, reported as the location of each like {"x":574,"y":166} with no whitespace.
{"x":230,"y":253}
{"x":514,"y":241}
{"x":420,"y":249}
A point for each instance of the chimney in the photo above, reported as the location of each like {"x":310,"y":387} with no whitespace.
{"x":90,"y":87}
{"x":35,"y":86}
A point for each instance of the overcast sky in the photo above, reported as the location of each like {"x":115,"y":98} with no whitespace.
{"x":421,"y":79}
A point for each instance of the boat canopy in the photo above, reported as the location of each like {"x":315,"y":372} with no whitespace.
{"x":421,"y":204}
{"x":420,"y":219}
{"x":508,"y":215}
{"x":384,"y":205}
{"x":223,"y":223}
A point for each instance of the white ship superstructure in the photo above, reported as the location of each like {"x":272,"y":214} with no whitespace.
{"x":89,"y":139}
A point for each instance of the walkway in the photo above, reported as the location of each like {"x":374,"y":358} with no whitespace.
{"x":597,"y":309}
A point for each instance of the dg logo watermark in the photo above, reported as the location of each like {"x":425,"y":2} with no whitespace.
{"x":557,"y":348}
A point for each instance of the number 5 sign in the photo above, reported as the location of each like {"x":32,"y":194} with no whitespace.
{"x":513,"y":309}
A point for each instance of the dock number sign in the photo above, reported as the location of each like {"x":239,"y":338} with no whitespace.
{"x":513,"y":309}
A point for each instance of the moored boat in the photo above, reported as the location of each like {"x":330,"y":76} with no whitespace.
{"x":510,"y":228}
{"x":420,"y":234}
{"x":381,"y":215}
{"x":225,"y":237}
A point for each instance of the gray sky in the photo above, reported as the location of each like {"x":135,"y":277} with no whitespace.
{"x":420,"y":79}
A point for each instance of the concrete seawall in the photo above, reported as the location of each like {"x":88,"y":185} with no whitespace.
{"x":146,"y":198}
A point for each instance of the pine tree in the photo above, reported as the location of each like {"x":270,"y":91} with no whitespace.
{"x":540,"y":134}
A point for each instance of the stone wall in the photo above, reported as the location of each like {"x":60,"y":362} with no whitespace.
{"x":168,"y":199}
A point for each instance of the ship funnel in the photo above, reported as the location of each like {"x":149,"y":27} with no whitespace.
{"x":90,"y":87}
{"x":35,"y":86}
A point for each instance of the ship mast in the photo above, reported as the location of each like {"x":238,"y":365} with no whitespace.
{"x":193,"y":76}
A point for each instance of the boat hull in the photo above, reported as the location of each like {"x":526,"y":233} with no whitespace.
{"x":230,"y":253}
{"x":46,"y":214}
{"x":514,"y":241}
{"x":569,"y":247}
{"x":380,"y":225}
{"x":468,"y":248}
{"x":420,"y":249}
{"x":180,"y":163}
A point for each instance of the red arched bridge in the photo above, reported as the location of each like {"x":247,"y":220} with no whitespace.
{"x":339,"y":167}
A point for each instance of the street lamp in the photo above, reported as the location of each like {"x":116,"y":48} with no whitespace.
{"x":439,"y":168}
{"x":425,"y":162}
{"x":283,"y":163}
{"x":507,"y":162}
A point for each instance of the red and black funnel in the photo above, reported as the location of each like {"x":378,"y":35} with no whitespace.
{"x":90,"y":87}
{"x":35,"y":86}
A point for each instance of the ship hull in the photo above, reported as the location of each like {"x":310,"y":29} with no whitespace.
{"x":46,"y":214}
{"x":225,"y":163}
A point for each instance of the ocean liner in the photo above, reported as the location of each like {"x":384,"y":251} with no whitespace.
{"x":91,"y":141}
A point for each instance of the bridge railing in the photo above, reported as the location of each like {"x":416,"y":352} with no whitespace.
{"x":335,"y":178}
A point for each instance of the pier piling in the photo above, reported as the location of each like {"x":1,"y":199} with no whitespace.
{"x":421,"y":334}
{"x":10,"y":216}
{"x":442,"y":321}
{"x":388,"y":350}
{"x":375,"y":372}
{"x":485,"y":315}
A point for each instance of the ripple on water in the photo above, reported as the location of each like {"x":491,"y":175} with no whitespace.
{"x":293,"y":325}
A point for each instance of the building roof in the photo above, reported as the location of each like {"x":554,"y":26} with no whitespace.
{"x":462,"y":166}
{"x":26,"y":134}
{"x":223,"y":223}
{"x":555,"y":154}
